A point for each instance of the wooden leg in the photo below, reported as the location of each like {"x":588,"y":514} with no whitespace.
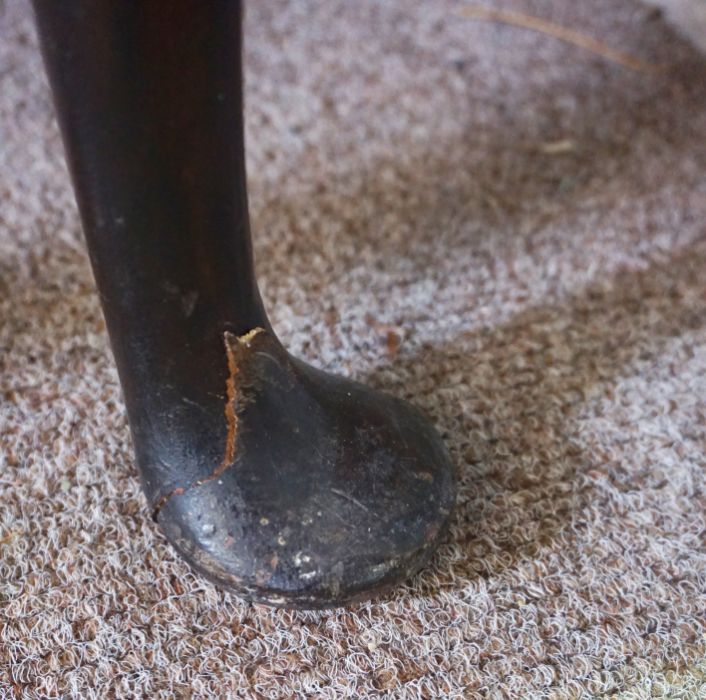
{"x":273,"y":479}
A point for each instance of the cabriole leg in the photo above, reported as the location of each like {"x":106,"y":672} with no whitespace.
{"x":273,"y":479}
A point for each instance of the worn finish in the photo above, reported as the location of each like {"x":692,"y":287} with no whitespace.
{"x":327,"y":490}
{"x":272,"y":478}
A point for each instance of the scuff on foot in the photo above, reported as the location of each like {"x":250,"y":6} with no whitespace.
{"x":350,"y":498}
{"x":235,"y":347}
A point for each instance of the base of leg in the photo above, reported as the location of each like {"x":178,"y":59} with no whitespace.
{"x":328,"y":491}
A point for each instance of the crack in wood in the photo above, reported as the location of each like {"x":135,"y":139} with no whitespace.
{"x":235,"y":349}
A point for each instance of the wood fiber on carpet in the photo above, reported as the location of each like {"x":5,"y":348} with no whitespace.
{"x":505,"y":229}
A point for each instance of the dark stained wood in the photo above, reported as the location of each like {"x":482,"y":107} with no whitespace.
{"x":273,"y":479}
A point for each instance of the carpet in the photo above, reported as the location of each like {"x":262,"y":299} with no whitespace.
{"x":500,"y":226}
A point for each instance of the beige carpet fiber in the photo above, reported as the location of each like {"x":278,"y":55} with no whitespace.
{"x":506,"y":229}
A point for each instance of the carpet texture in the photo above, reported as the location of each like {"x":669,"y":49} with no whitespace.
{"x":505,"y":229}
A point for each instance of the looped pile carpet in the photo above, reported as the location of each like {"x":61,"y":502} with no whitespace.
{"x":505,"y":228}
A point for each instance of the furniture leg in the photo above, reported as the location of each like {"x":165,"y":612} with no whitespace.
{"x":273,"y":479}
